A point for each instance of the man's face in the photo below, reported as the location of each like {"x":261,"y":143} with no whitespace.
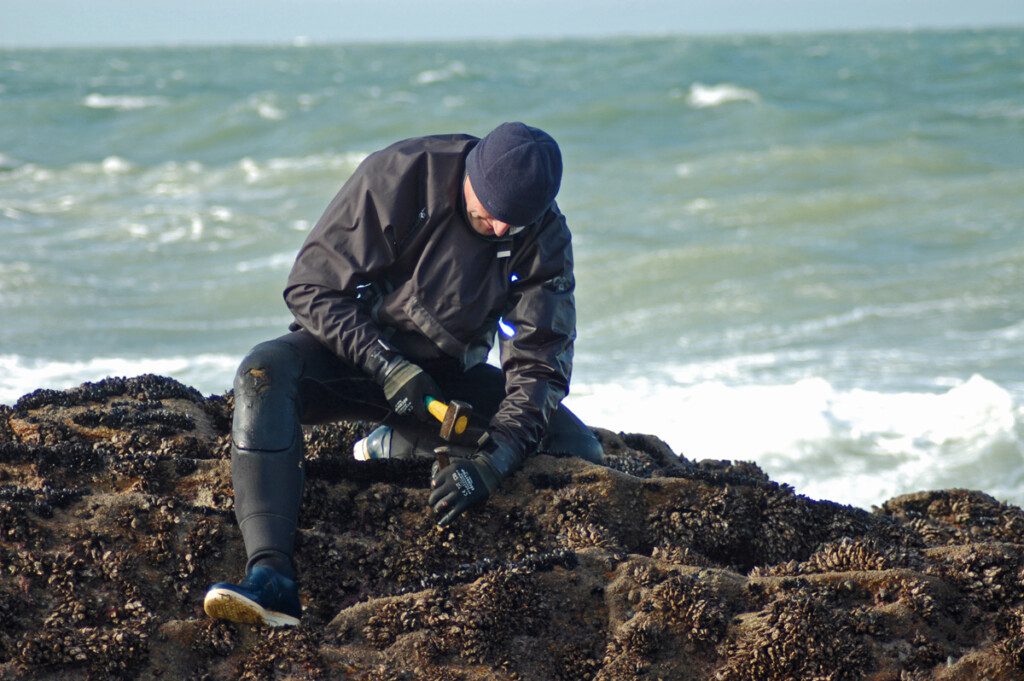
{"x":479,"y":219}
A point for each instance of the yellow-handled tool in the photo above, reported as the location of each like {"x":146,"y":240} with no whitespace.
{"x":454,"y":416}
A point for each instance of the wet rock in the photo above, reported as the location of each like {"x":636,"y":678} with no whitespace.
{"x":116,"y":514}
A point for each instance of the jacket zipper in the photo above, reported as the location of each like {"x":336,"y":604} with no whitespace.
{"x":421,"y":220}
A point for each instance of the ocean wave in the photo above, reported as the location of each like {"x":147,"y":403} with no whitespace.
{"x":1009,"y":110}
{"x":8,"y":162}
{"x":452,"y":70}
{"x":17,"y":275}
{"x":278,"y":262}
{"x":800,"y":331}
{"x":854,"y":446}
{"x":115,"y":165}
{"x":705,"y":96}
{"x":171,"y":178}
{"x":122,"y":102}
{"x":19,"y":375}
{"x":256,"y":171}
{"x":266,"y":107}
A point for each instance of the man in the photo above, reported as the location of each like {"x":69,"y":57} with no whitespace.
{"x":397,"y":295}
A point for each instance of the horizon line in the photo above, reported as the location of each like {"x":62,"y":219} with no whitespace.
{"x":300,"y":41}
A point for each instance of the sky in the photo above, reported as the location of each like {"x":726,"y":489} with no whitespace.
{"x":48,"y":23}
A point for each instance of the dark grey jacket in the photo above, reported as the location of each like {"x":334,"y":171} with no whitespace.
{"x":394,"y":266}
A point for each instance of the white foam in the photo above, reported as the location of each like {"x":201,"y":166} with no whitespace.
{"x":265,"y":105}
{"x":137,"y":229}
{"x":317,"y":162}
{"x":19,"y":376}
{"x":858,"y":446}
{"x":115,"y":165}
{"x":278,"y":261}
{"x":251,"y":169}
{"x":699,"y":205}
{"x":704,"y":96}
{"x":269,"y":112}
{"x":221,"y":213}
{"x":172,"y":236}
{"x":455,"y":68}
{"x":684,"y":170}
{"x":122,"y":102}
{"x":256,"y":171}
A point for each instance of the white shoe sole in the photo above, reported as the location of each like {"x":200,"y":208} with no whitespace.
{"x":223,"y":604}
{"x":361,"y":450}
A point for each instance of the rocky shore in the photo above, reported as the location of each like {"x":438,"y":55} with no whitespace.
{"x":116,"y":513}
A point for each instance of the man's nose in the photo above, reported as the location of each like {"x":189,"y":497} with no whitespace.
{"x":499,"y":227}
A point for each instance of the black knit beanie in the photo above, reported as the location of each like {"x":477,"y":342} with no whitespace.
{"x":515,"y":171}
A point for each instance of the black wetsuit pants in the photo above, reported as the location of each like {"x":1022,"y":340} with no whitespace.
{"x":294,"y":380}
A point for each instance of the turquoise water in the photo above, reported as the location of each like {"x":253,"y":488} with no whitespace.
{"x":805,"y":250}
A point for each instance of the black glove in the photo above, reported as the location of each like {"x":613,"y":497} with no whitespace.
{"x":462,"y":484}
{"x":406,"y":387}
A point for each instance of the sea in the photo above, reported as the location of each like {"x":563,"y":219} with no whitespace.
{"x":802,"y":250}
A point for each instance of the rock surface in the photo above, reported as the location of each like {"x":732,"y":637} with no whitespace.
{"x":115,"y":514}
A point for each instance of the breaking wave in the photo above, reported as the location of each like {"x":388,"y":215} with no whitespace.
{"x":705,"y":96}
{"x":853,"y":446}
{"x":452,"y":70}
{"x":19,"y":376}
{"x":122,"y":102}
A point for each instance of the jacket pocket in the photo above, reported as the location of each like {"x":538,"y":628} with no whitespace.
{"x":430,"y":327}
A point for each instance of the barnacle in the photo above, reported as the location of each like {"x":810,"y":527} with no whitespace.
{"x":797,"y":636}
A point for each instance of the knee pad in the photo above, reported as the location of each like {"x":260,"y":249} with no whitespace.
{"x":581,"y":444}
{"x":591,"y":450}
{"x":266,"y":397}
{"x":568,"y":436}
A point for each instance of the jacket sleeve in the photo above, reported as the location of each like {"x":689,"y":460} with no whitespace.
{"x":537,"y":357}
{"x":347,"y":249}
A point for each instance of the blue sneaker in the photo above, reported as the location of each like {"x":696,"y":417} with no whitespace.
{"x":265,"y":596}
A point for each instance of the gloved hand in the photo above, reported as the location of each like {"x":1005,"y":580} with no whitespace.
{"x":461,"y":484}
{"x":406,"y":387}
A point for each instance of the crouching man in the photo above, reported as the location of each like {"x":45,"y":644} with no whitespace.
{"x":397,"y":294}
